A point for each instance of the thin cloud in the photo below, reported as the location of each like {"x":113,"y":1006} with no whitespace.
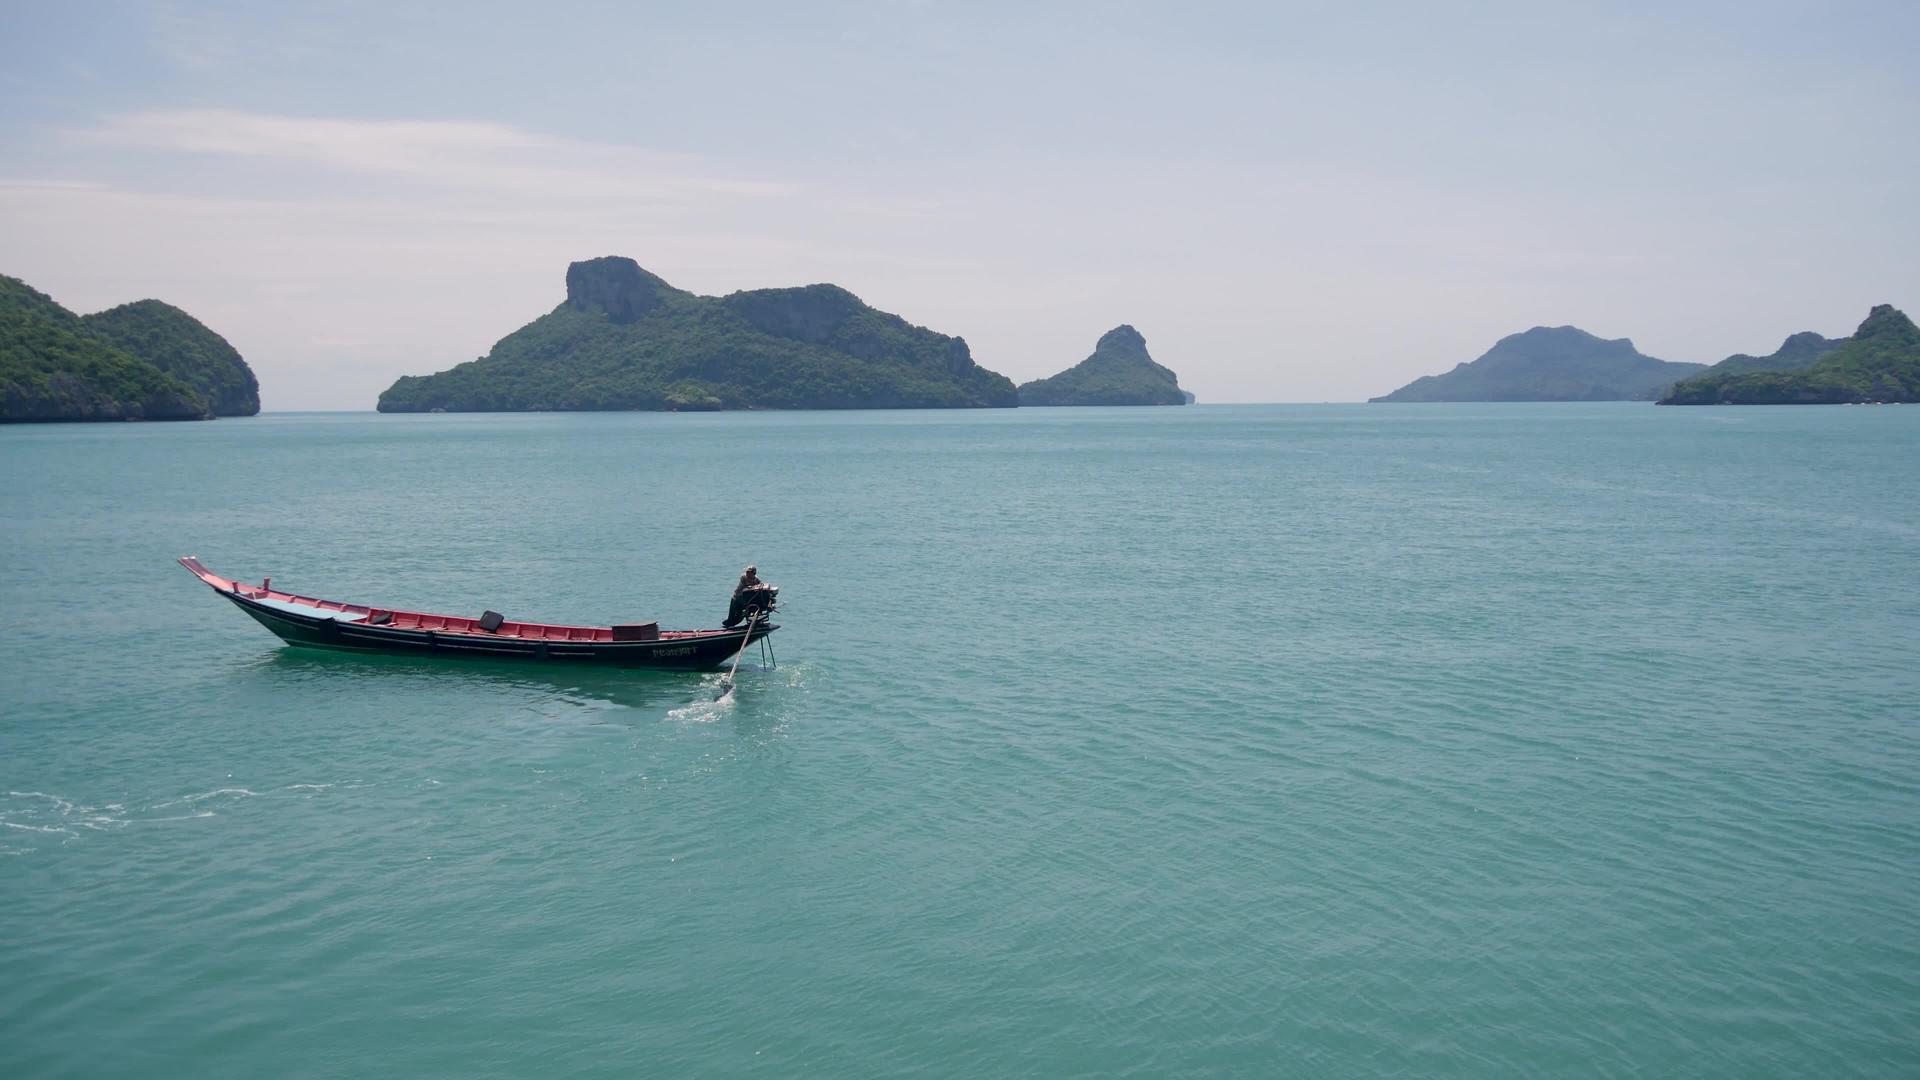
{"x":34,"y":183}
{"x":446,"y":153}
{"x":404,"y":146}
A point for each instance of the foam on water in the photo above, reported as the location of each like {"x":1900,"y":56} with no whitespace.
{"x":715,"y":701}
{"x":37,"y":811}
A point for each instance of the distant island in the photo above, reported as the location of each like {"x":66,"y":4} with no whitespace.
{"x":139,"y":361}
{"x":1879,"y":363}
{"x":1560,"y":363}
{"x":624,"y":339}
{"x":1120,"y":372}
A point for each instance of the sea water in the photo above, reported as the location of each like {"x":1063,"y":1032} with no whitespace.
{"x":1347,"y":741}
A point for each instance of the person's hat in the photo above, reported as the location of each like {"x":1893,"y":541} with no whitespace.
{"x":751,"y":570}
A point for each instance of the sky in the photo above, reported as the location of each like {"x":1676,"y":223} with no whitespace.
{"x":1292,"y":201}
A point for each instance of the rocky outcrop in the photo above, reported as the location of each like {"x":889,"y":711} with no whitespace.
{"x":615,"y":287}
{"x":1119,"y":372}
{"x":810,"y":313}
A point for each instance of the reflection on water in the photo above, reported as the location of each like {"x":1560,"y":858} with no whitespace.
{"x":320,"y":671}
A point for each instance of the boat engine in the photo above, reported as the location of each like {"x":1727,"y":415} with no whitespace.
{"x":754,"y":603}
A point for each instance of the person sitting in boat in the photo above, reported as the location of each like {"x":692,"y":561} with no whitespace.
{"x":749,"y":581}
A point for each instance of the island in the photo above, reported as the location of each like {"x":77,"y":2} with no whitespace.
{"x":1879,"y":363}
{"x":623,"y":339}
{"x":1558,"y":363}
{"x":1120,"y":372}
{"x":139,"y":361}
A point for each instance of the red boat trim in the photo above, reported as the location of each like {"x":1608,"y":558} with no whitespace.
{"x":455,"y":625}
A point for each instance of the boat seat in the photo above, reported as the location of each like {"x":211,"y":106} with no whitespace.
{"x":308,"y":610}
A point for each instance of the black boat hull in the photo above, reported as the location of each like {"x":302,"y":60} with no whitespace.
{"x":705,"y":652}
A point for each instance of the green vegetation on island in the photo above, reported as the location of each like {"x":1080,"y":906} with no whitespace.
{"x":1120,"y":372}
{"x":144,"y":361}
{"x":183,"y":347}
{"x":1879,"y":363}
{"x":1561,"y":363}
{"x":625,"y":339}
{"x":1797,"y":353}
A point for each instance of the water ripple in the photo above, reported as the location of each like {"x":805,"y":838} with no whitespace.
{"x":1467,"y":742}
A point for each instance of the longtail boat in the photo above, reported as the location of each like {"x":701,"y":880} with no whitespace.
{"x":330,"y":624}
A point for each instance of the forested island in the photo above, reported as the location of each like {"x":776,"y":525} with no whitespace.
{"x":625,"y":339}
{"x":1558,"y":363}
{"x":139,"y":361}
{"x":1879,"y":363}
{"x":1119,"y":372}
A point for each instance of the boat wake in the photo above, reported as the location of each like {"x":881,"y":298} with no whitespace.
{"x":714,"y":700}
{"x":30,"y":820}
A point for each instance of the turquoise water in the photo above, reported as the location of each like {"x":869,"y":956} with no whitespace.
{"x":1347,"y":741}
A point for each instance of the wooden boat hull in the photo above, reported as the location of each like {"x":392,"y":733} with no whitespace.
{"x":299,"y":621}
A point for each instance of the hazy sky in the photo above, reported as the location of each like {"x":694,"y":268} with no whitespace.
{"x":1293,"y":202}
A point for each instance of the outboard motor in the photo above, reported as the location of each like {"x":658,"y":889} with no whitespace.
{"x":756,"y":603}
